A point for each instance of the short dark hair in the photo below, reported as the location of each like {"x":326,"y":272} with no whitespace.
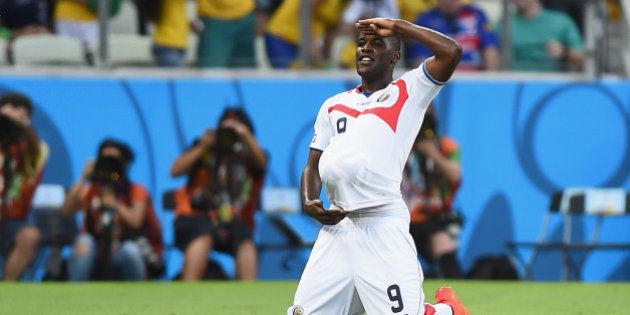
{"x":395,"y":41}
{"x":239,"y":114}
{"x":18,"y":100}
{"x":125,"y":150}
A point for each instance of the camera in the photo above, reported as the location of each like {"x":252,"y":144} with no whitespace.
{"x":203,"y":200}
{"x":107,"y":219}
{"x":108,"y":171}
{"x":11,"y":132}
{"x":227,"y":142}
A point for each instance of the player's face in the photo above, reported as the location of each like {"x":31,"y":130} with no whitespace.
{"x":374,"y":56}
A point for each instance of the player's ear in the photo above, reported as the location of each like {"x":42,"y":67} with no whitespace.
{"x":395,"y":57}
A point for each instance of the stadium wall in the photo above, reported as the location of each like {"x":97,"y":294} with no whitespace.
{"x":520,"y":141}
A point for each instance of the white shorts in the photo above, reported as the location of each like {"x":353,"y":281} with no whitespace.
{"x":367,"y":262}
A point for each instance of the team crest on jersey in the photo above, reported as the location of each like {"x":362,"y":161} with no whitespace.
{"x":383,"y":97}
{"x":297,"y":310}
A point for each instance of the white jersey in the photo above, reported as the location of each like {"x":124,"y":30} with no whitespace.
{"x":366,"y":139}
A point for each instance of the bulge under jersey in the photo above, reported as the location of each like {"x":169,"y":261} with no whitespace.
{"x":366,"y":140}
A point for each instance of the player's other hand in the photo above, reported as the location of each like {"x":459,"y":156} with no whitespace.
{"x":381,"y":26}
{"x":315,"y":209}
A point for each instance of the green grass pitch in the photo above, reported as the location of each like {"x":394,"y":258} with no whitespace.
{"x":482,"y":298}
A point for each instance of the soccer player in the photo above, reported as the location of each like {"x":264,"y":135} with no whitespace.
{"x":364,"y":259}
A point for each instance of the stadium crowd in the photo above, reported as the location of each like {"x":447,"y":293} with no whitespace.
{"x":546,"y":35}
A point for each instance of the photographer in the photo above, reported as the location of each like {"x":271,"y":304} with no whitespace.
{"x":431,"y":179}
{"x":122,"y":238}
{"x":215,"y":209}
{"x":22,"y":159}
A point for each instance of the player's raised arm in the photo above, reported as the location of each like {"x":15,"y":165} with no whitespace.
{"x":312,"y":188}
{"x":447,"y":52}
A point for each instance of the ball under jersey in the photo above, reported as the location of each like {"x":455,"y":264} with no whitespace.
{"x":366,"y":139}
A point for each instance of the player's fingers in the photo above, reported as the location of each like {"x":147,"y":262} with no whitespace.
{"x":330,"y":220}
{"x":334,"y":216}
{"x":334,"y":212}
{"x":329,"y":217}
{"x":369,"y":21}
{"x":336,"y":219}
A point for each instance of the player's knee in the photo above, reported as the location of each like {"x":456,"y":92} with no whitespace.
{"x":29,"y":237}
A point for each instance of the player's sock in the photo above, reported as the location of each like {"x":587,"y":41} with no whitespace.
{"x":437,"y":309}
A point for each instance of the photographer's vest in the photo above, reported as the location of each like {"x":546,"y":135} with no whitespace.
{"x":16,"y":189}
{"x":150,"y":228}
{"x":428,"y":201}
{"x":202,"y":177}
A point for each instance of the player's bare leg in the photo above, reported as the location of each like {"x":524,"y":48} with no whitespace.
{"x":25,"y":250}
{"x":247,"y":261}
{"x":196,"y":258}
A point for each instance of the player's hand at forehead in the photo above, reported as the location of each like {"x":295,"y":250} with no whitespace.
{"x":315,"y":209}
{"x":379,"y":26}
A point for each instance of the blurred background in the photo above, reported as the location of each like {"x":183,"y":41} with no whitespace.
{"x":540,"y":104}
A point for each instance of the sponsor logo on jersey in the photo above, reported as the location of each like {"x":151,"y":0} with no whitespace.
{"x":383,"y":97}
{"x":314,"y":138}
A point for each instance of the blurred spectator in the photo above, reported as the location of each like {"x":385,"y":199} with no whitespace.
{"x":282,"y":38}
{"x":22,"y":159}
{"x":215,"y":210}
{"x":544,"y":40}
{"x":469,"y":26}
{"x":410,"y":10}
{"x":618,"y":39}
{"x":431,"y":179}
{"x":573,"y":8}
{"x":79,"y":19}
{"x":170,"y":38}
{"x":24,"y":17}
{"x":75,"y":18}
{"x":122,"y":238}
{"x":227,"y":38}
{"x":265,"y":9}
